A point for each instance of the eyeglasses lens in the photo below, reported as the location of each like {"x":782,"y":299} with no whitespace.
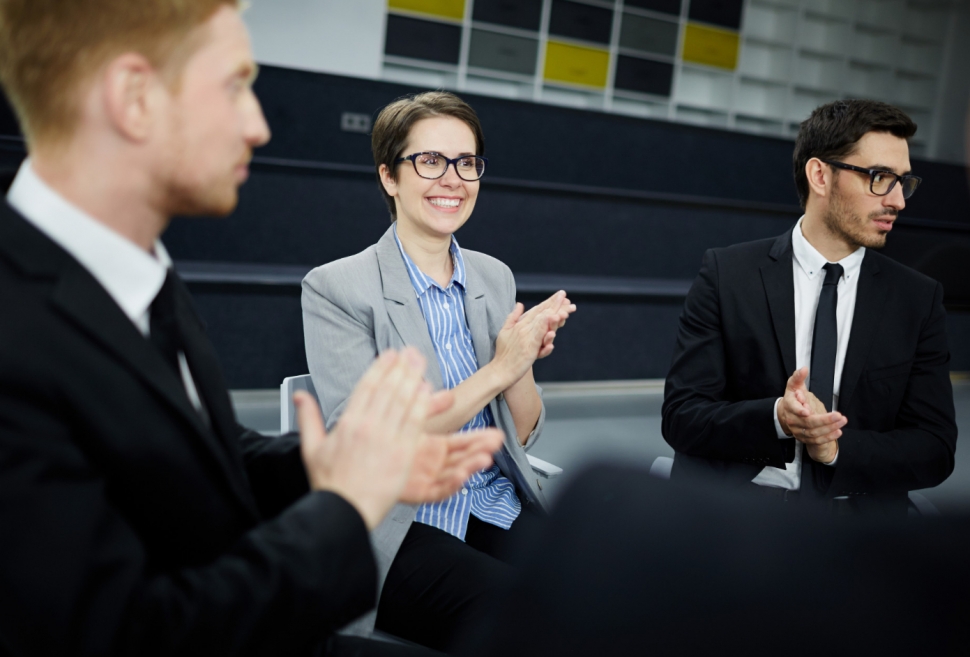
{"x":882,"y":182}
{"x":477,"y":169}
{"x":429,"y":166}
{"x":433,"y":166}
{"x":909,"y":186}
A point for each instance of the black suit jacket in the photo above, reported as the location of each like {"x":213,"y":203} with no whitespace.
{"x":129,"y":525}
{"x":736,"y":349}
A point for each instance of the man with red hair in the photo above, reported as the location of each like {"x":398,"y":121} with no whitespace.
{"x":138,"y":517}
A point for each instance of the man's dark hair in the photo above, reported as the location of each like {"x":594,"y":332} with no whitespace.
{"x":833,"y":131}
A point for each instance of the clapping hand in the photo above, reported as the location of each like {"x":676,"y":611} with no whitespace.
{"x":556,"y":309}
{"x":528,"y":336}
{"x":804,"y":417}
{"x":379,"y":452}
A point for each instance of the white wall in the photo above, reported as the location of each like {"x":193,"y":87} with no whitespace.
{"x":331,"y":36}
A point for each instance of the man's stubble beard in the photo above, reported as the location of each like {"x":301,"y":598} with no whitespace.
{"x":843,"y":222}
{"x":188,"y":196}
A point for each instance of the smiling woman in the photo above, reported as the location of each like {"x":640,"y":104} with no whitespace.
{"x":416,"y":287}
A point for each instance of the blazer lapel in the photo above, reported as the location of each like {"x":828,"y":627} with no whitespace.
{"x":870,"y":305}
{"x":82,"y":300}
{"x":85,"y":302}
{"x":403,"y":307}
{"x":476,"y":313}
{"x":779,"y":283}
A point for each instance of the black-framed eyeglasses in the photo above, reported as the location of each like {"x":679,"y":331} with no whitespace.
{"x":881,"y":182}
{"x":433,"y":165}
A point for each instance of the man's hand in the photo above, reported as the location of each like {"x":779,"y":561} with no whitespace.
{"x":368,"y":456}
{"x":444,"y":463}
{"x":804,"y":417}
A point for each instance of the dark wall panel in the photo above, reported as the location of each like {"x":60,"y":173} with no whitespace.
{"x":523,"y":14}
{"x":579,"y":21}
{"x":257,"y":332}
{"x":649,"y":34}
{"x":418,"y":39}
{"x":665,"y":6}
{"x":643,"y":75}
{"x":579,"y":147}
{"x":726,"y":13}
{"x":503,"y":52}
{"x":309,"y":219}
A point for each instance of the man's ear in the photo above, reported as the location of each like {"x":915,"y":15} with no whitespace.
{"x":819,"y":177}
{"x":390,"y":185}
{"x":130,"y":95}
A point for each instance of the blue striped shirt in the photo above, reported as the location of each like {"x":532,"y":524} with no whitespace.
{"x":487,"y":494}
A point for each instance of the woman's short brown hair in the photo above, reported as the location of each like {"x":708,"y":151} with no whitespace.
{"x":49,"y":48}
{"x":393,"y":127}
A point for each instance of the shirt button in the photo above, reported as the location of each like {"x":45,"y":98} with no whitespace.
{"x":445,"y":305}
{"x":448,"y":346}
{"x":464,"y":491}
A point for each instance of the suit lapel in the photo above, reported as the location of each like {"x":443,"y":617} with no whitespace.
{"x":779,"y":283}
{"x":206,"y":371}
{"x":870,"y":304}
{"x":476,"y":313}
{"x":82,"y":300}
{"x":79,"y":297}
{"x":402,"y":305}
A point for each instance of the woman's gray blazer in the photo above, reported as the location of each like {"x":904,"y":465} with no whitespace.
{"x":357,"y":307}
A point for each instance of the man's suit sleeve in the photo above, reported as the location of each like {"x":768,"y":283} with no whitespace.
{"x":79,"y":581}
{"x":918,"y":452}
{"x":274,"y":467}
{"x":698,"y":417}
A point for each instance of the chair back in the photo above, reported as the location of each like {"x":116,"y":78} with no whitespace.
{"x":287,"y":410}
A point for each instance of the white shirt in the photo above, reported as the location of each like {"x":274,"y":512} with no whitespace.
{"x":129,"y":274}
{"x":807,"y":264}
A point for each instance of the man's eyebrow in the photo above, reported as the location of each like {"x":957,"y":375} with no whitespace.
{"x":886,"y":167}
{"x":248,"y":71}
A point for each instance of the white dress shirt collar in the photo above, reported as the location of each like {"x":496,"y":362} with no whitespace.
{"x":812,"y":262}
{"x":129,"y":274}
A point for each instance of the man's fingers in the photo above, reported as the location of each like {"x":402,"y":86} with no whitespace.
{"x":823,"y":419}
{"x":472,"y":451}
{"x":797,"y":380}
{"x":359,"y":404}
{"x":822,"y":439}
{"x":392,"y":396}
{"x":308,"y":417}
{"x":793,"y":406}
{"x":440,"y":402}
{"x":486,"y":440}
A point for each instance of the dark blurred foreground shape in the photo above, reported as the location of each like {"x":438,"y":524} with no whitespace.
{"x":632,"y":565}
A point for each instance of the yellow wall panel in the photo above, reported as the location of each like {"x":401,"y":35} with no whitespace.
{"x":711,"y":46}
{"x":454,"y":9}
{"x":576,"y":64}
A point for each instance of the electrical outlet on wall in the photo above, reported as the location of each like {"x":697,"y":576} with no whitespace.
{"x":353,"y":122}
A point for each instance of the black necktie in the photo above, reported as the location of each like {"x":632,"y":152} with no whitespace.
{"x":163,"y":327}
{"x":825,"y":339}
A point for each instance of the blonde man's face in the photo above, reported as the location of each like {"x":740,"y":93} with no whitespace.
{"x":212,"y":122}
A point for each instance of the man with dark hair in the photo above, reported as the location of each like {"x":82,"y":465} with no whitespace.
{"x":808,"y":366}
{"x":138,"y":517}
